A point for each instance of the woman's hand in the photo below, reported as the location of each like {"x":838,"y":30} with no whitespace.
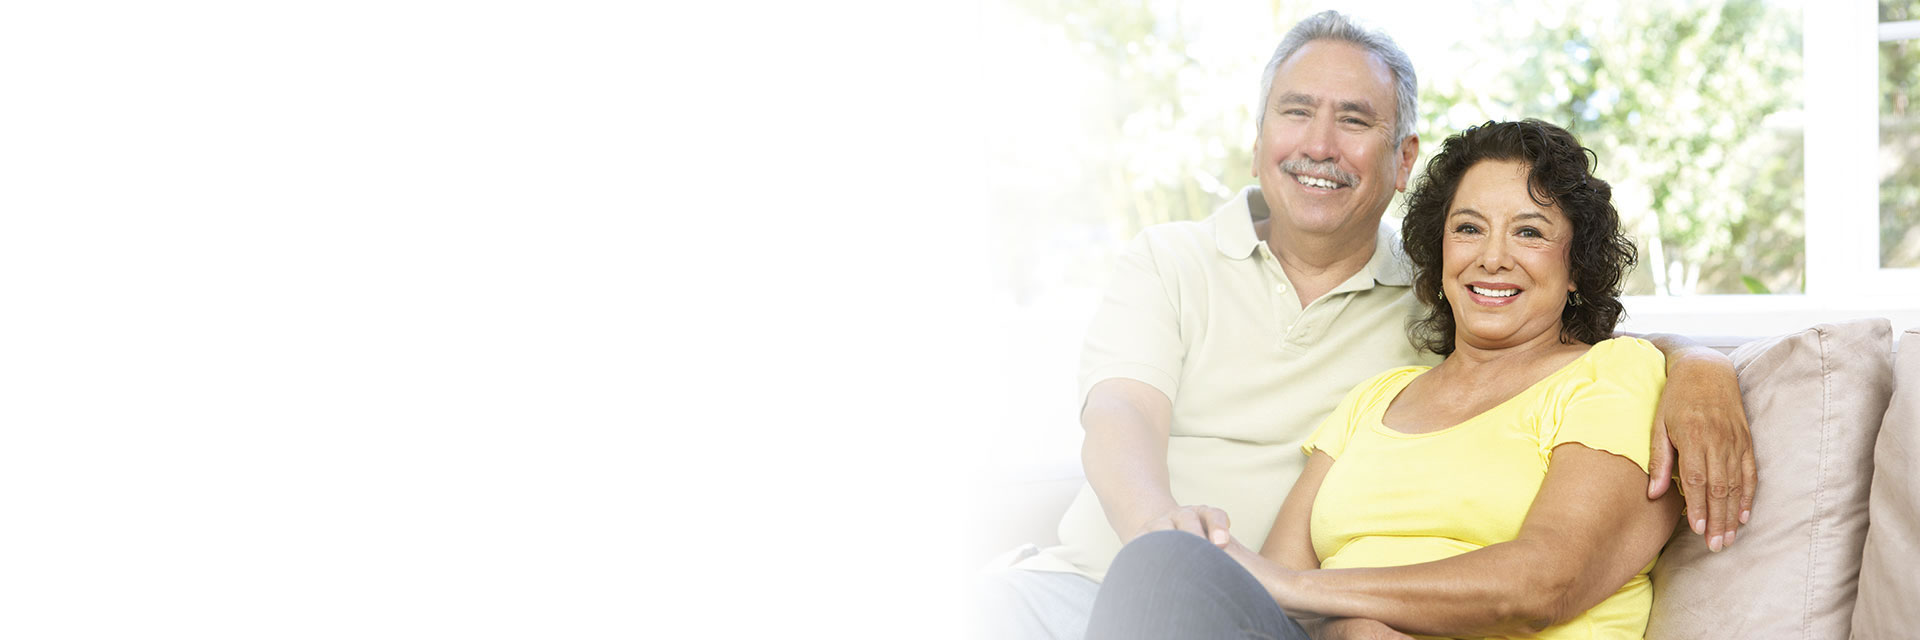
{"x":1281,"y":582}
{"x":1282,"y":585}
{"x":1703,"y":428}
{"x":1353,"y":629}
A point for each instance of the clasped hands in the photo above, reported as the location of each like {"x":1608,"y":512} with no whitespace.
{"x":1198,"y":519}
{"x":1213,"y":524}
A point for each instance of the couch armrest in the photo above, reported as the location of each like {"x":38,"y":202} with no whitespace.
{"x":1021,"y":508}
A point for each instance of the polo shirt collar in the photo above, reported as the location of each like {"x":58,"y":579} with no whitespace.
{"x":1233,"y":223}
{"x":1233,"y":236}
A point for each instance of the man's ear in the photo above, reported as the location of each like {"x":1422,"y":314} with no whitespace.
{"x":1253,"y":164}
{"x":1409,"y":152}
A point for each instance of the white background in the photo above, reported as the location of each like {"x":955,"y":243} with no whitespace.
{"x":501,"y":319}
{"x":488,"y":319}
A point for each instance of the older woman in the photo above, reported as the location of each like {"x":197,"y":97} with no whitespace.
{"x":1500,"y":493}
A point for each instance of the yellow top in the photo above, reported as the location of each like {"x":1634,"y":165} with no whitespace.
{"x":1393,"y":499}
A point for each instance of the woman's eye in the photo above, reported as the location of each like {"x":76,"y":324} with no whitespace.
{"x":1530,"y":232}
{"x":1466,"y":228}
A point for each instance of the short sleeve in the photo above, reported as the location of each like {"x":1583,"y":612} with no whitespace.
{"x":1337,"y":430}
{"x":1135,"y":333}
{"x":1610,"y":406}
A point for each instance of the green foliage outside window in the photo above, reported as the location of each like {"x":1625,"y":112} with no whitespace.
{"x":1899,"y":142}
{"x":1692,"y":107}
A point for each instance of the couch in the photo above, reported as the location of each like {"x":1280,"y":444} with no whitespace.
{"x":1833,"y":550}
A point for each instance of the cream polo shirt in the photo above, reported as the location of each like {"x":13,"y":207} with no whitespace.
{"x":1203,"y":312}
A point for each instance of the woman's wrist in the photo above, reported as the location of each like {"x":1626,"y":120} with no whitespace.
{"x":1277,"y":580}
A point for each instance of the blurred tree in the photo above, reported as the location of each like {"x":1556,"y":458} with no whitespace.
{"x":1175,"y":149}
{"x":1900,"y":141}
{"x":1692,"y":107}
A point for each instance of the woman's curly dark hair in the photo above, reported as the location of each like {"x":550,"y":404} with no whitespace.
{"x":1559,"y":173}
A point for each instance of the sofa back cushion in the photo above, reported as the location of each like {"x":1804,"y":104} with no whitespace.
{"x":1890,"y":566}
{"x":1814,"y":401}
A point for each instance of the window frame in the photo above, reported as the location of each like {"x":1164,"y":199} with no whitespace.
{"x":1844,"y":278}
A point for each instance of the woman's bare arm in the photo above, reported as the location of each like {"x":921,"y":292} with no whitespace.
{"x":1289,"y":543}
{"x":1590,"y":529}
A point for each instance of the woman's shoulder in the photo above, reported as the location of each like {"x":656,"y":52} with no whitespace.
{"x":1625,"y":352}
{"x":1618,"y":362}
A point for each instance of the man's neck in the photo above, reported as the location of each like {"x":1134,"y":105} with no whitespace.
{"x":1317,"y":264}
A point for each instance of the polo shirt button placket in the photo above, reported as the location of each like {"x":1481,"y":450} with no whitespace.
{"x":1280,"y":302}
{"x":1300,"y":323}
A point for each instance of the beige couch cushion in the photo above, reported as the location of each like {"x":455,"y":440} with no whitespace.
{"x":1890,"y":567}
{"x":1814,"y":400}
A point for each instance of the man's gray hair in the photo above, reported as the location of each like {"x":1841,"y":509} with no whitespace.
{"x":1331,"y":25}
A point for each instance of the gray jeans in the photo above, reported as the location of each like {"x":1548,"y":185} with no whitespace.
{"x":1173,"y":584}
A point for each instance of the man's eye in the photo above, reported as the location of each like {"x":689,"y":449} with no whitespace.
{"x":1355,"y":122}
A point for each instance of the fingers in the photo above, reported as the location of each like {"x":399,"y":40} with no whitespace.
{"x":1361,"y":629}
{"x":1200,"y":520}
{"x":1751,"y":477}
{"x":1718,"y":487}
{"x":1660,"y":471}
{"x":1380,"y":631}
{"x":1693,"y":486}
{"x":1216,"y":522}
{"x":1731,"y":487}
{"x":1723,"y":493}
{"x":1341,"y":629}
{"x":1184,"y":519}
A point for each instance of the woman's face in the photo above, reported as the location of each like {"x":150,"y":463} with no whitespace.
{"x":1504,"y":259}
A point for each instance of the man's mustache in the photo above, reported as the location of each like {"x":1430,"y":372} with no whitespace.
{"x":1326,"y":170}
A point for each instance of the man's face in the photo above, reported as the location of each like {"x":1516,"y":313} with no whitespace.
{"x":1325,"y":156}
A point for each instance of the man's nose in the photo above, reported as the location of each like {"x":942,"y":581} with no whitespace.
{"x":1319,"y":142}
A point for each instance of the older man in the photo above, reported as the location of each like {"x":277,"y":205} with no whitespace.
{"x":1222,"y":343}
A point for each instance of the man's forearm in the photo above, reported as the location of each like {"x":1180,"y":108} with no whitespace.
{"x":1126,"y":463}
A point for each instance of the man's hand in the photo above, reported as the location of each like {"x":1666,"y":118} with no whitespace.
{"x":1200,"y":520}
{"x":1703,"y":426}
{"x":1353,"y":629}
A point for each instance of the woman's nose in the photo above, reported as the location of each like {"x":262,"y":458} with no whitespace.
{"x":1493,"y":255}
